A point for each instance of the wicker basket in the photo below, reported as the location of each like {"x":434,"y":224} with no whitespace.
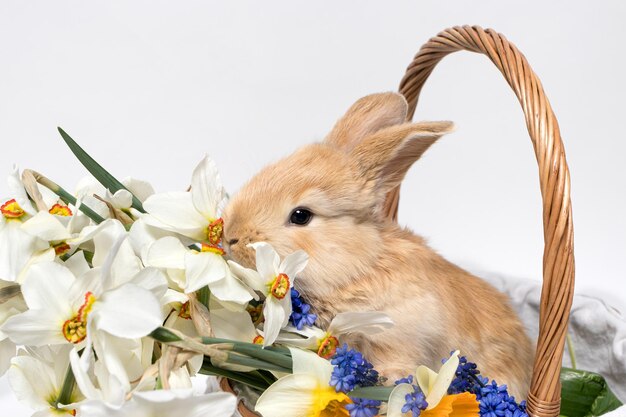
{"x":544,"y":398}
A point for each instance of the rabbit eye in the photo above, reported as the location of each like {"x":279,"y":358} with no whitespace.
{"x":300,"y":216}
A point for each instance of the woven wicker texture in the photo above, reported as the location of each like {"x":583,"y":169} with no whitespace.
{"x":558,"y":255}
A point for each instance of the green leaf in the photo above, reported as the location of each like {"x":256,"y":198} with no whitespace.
{"x":101,"y":174}
{"x":249,"y":378}
{"x":585,"y":394}
{"x":163,"y":335}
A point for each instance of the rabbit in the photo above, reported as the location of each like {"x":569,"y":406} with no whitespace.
{"x":328,"y":199}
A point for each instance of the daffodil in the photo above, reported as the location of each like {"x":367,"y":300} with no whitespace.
{"x":195,"y":213}
{"x":274,"y":280}
{"x":325,"y":342}
{"x":306,"y":392}
{"x":193,"y":269}
{"x":37,"y":378}
{"x":434,"y":387}
{"x":16,"y":246}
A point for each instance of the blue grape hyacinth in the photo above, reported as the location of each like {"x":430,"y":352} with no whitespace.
{"x":351,"y":369}
{"x":300,"y":311}
{"x":362,"y":407}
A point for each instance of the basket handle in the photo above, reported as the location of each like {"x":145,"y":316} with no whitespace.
{"x":544,"y":397}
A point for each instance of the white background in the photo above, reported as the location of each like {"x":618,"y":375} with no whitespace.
{"x":147,"y":87}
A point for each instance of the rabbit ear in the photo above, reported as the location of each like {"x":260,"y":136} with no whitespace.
{"x":368,"y":115}
{"x":383,"y":158}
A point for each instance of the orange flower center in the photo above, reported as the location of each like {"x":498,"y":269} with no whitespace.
{"x":280,"y":286}
{"x":214,"y":231}
{"x":61,"y":248}
{"x":258,"y":340}
{"x":212,"y":248}
{"x":12,"y":210}
{"x":75,"y":329}
{"x":60,"y":210}
{"x":328,"y":347}
{"x":185,"y":311}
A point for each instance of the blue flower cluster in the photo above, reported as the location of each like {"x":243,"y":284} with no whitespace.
{"x":362,"y":407}
{"x":300,"y":315}
{"x":352,"y":370}
{"x":415,"y":402}
{"x":494,"y":400}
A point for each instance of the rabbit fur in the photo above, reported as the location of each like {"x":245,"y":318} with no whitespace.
{"x":362,"y":261}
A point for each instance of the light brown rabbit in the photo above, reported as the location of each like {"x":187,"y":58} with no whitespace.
{"x":327,"y":199}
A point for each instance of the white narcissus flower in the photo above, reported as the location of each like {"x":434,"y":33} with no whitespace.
{"x":36,"y":381}
{"x":274,"y":280}
{"x":62,"y":308}
{"x":198,"y":269}
{"x":10,"y":306}
{"x":122,"y":200}
{"x":305,"y":393}
{"x":16,"y":246}
{"x":325,"y":342}
{"x":193,"y":214}
{"x":166,"y":403}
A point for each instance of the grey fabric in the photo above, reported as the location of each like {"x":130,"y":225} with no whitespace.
{"x":597,"y":330}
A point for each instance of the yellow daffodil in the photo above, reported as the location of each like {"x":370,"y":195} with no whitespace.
{"x":306,"y":392}
{"x":434,"y":386}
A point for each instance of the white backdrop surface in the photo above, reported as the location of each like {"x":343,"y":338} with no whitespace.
{"x":148,"y":87}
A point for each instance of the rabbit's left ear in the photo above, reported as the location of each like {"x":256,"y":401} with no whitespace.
{"x":383,"y":158}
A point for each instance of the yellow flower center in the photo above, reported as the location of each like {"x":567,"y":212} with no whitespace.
{"x":327,"y":347}
{"x":185,"y":311}
{"x":75,"y":329}
{"x":60,"y":248}
{"x":258,"y":340}
{"x":212,"y":248}
{"x":329,"y":403}
{"x":279,"y":287}
{"x":214,"y":231}
{"x":12,"y":210}
{"x":60,"y":210}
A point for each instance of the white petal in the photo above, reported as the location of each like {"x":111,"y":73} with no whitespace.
{"x":233,"y":325}
{"x":7,"y":352}
{"x":167,"y":403}
{"x":307,"y":362}
{"x":397,"y":399}
{"x":141,"y":189}
{"x":35,"y":328}
{"x":307,"y":338}
{"x":231,"y":289}
{"x":249,"y":276}
{"x":46,"y":226}
{"x":122,"y":199}
{"x":442,"y":383}
{"x":167,"y":252}
{"x":151,"y":279}
{"x":425,"y":378}
{"x":294,"y":263}
{"x":366,"y":322}
{"x":32,"y":382}
{"x":267,"y":260}
{"x":290,"y":396}
{"x":177,"y":213}
{"x":17,"y":191}
{"x":77,"y":264}
{"x":203,"y":268}
{"x":83,"y":381}
{"x":127,"y":311}
{"x":46,"y":286}
{"x":275,"y":316}
{"x":206,"y":188}
{"x":142,"y":235}
{"x":17,"y":247}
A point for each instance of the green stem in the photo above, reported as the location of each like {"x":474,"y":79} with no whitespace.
{"x":243,"y":377}
{"x":237,"y":359}
{"x":570,"y":349}
{"x":203,"y":296}
{"x":372,"y":393}
{"x":65,"y":395}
